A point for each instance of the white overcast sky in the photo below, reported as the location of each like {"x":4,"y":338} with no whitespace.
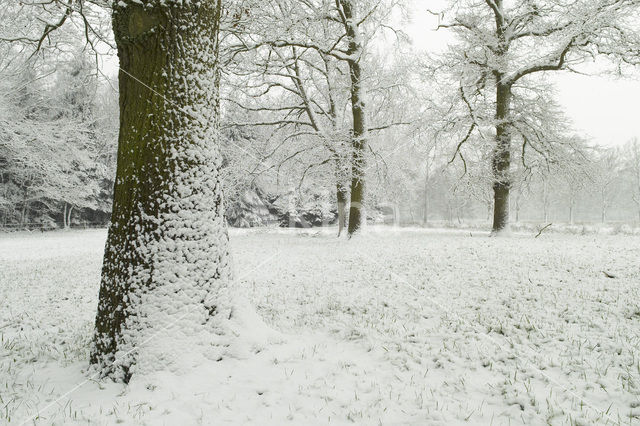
{"x":603,"y":108}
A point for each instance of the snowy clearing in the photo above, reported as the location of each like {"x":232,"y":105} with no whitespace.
{"x":394,"y":327}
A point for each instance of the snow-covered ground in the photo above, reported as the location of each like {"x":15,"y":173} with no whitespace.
{"x":394,"y":327}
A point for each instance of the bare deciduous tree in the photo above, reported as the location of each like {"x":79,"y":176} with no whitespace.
{"x":503,"y":46}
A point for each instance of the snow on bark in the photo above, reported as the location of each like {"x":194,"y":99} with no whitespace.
{"x":167,"y":285}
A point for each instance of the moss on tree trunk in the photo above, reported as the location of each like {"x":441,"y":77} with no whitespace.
{"x":167,"y":244}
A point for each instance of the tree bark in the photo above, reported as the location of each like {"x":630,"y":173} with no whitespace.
{"x":545,"y":201}
{"x":501,"y":161}
{"x":358,"y":144}
{"x":341,"y":193}
{"x":64,"y":216}
{"x":572,"y":203}
{"x":517,"y":204}
{"x":425,"y":216}
{"x":167,"y":247}
{"x":359,"y":135}
{"x":68,"y":219}
{"x":24,"y":215}
{"x":425,"y":213}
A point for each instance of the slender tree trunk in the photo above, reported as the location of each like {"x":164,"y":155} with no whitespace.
{"x":167,"y":248}
{"x":64,"y":216}
{"x":545,"y":201}
{"x":517,"y":203}
{"x":572,"y":203}
{"x":636,"y":168}
{"x":359,"y":137}
{"x":341,"y":194}
{"x":69,"y":216}
{"x":571,"y":214}
{"x":24,"y":216}
{"x":501,"y":161}
{"x":425,"y":216}
{"x":396,"y":214}
{"x":638,"y":202}
{"x":359,"y":144}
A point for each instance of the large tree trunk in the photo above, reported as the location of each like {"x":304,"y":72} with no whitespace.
{"x":501,"y":161}
{"x":359,"y":136}
{"x":166,"y":262}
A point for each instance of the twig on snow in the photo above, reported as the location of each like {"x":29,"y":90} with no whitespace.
{"x":542,"y":230}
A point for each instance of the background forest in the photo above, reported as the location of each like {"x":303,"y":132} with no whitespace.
{"x":287,"y":125}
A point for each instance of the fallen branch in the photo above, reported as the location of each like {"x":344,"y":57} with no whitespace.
{"x":542,"y":230}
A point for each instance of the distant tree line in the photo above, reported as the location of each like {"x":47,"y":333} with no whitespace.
{"x":57,"y":166}
{"x":58,"y":129}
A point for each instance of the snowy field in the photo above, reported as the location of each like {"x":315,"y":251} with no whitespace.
{"x":395,"y":327}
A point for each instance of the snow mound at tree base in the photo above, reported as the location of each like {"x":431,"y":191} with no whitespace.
{"x":307,"y":380}
{"x":502,"y":233}
{"x":179,"y":345}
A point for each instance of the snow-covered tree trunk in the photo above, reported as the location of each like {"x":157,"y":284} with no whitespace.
{"x":359,"y":137}
{"x":64,"y":216}
{"x":425,"y":195}
{"x":24,"y":215}
{"x":635,"y":169}
{"x":517,"y":201}
{"x":341,"y":193}
{"x":501,"y":162}
{"x":359,"y":144}
{"x":545,"y":200}
{"x":166,"y":263}
{"x":68,"y":218}
{"x":572,"y":206}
